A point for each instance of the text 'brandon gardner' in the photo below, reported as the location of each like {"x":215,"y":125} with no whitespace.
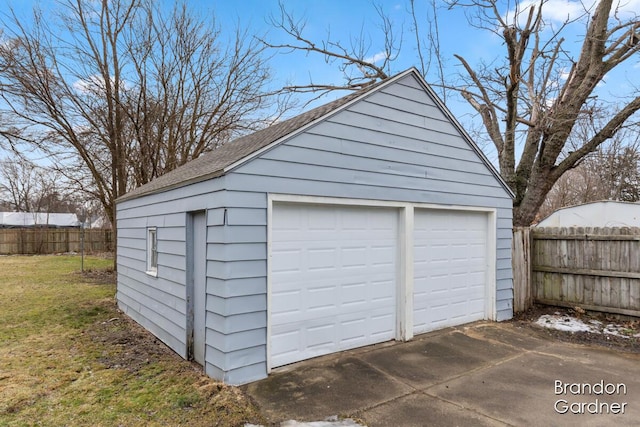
{"x":563,"y":406}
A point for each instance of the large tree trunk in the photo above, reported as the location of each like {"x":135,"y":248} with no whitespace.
{"x":526,"y":209}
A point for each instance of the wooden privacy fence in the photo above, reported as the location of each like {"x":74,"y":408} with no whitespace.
{"x":54,"y":240}
{"x":593,"y":268}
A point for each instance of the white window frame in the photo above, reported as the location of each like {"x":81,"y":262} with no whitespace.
{"x":152,"y":251}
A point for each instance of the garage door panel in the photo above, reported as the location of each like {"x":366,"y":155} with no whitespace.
{"x":449,"y":269}
{"x":316,"y":337}
{"x":344,"y":279}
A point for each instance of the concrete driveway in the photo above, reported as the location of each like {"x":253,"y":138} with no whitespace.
{"x":481,"y":374}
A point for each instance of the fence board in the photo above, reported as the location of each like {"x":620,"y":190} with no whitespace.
{"x":51,"y":240}
{"x":520,"y":259}
{"x":594,"y":268}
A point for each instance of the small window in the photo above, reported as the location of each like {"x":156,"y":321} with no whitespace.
{"x":152,"y":251}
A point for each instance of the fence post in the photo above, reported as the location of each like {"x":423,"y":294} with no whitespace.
{"x":521,"y":263}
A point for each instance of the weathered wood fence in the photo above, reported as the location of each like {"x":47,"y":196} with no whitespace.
{"x":521,"y":263}
{"x":593,"y":268}
{"x":54,"y":240}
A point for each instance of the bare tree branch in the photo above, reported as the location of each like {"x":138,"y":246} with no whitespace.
{"x":359,"y":67}
{"x":129,"y":90}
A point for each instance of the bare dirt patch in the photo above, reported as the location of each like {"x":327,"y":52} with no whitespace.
{"x":100,"y":276}
{"x":126,"y":345}
{"x":627,"y":343}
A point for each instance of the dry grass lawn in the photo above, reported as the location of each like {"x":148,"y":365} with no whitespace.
{"x":68,"y":357}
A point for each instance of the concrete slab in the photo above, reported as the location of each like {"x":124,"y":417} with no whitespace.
{"x":432,"y":359}
{"x":420,"y":410}
{"x":324,"y":387}
{"x":509,"y":334}
{"x":522,"y":391}
{"x":480,"y":374}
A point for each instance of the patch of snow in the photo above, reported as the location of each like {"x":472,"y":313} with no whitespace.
{"x":329,"y":422}
{"x":617,"y":330}
{"x":342,"y":423}
{"x":563,"y":322}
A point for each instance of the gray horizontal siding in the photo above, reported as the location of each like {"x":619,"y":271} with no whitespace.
{"x":161,"y":295}
{"x":159,"y":303}
{"x":237,"y":251}
{"x":153,"y":315}
{"x":238,"y":340}
{"x":238,"y":234}
{"x":231,"y":288}
{"x":376,"y":173}
{"x":434,"y":143}
{"x":237,"y":322}
{"x":327,"y":151}
{"x":243,"y":375}
{"x":143,"y":319}
{"x":237,"y":269}
{"x":261,"y":183}
{"x":236,"y":359}
{"x":237,"y":305}
{"x":136,"y":251}
{"x":194,"y":197}
{"x":407,"y":119}
{"x":390,"y":100}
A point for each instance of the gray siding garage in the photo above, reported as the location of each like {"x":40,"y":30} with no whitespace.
{"x":368,"y":219}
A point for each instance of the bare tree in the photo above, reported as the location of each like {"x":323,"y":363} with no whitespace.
{"x":527,"y":95}
{"x":531,"y":101}
{"x":611,"y":172}
{"x":119,"y":92}
{"x":27,"y":187}
{"x":17,"y":187}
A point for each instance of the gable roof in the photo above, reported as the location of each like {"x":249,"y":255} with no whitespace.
{"x":230,"y":155}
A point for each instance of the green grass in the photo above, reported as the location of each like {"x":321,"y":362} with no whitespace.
{"x":68,"y":357}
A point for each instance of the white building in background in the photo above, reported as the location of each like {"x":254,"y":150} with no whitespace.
{"x":38,"y":219}
{"x":605,"y":213}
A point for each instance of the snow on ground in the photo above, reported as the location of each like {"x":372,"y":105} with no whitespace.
{"x":329,"y":422}
{"x":342,"y":423}
{"x":564,"y":322}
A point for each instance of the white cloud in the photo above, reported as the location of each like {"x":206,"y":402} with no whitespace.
{"x":93,"y":84}
{"x":553,"y":10}
{"x":561,"y":10}
{"x":377,"y":57}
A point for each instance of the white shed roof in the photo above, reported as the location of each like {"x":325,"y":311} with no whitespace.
{"x":31,"y":219}
{"x":605,"y":213}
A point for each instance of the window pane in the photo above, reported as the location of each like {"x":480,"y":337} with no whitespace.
{"x":153,"y":249}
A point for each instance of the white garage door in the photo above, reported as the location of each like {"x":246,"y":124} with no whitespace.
{"x":333,"y":279}
{"x":450,"y":265}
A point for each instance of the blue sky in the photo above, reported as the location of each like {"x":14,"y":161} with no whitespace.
{"x":348,"y":19}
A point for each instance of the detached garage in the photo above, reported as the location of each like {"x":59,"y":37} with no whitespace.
{"x":369,"y":219}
